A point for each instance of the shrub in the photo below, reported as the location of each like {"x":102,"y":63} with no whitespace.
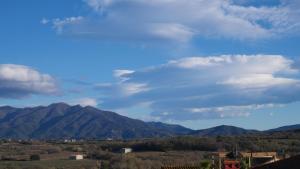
{"x":205,"y":165}
{"x":35,"y":157}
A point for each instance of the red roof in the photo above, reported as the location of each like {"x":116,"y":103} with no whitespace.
{"x":231,"y":164}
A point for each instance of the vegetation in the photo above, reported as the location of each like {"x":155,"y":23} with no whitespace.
{"x":48,"y":164}
{"x":147,"y":153}
{"x":35,"y":157}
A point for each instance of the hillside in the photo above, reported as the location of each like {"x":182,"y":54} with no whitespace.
{"x":58,"y":121}
{"x":63,"y":121}
{"x":223,"y":130}
{"x":285,"y":128}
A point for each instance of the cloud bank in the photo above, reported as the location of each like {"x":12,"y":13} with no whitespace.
{"x":205,"y":87}
{"x":182,"y":21}
{"x":17,"y":81}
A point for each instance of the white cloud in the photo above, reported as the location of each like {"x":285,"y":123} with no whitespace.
{"x":123,"y":89}
{"x":121,"y":74}
{"x":207,"y":87}
{"x":259,"y":81}
{"x":44,"y":21}
{"x":171,"y":31}
{"x":98,"y":5}
{"x":61,"y":24}
{"x":86,"y":102}
{"x":181,"y":21}
{"x":19,"y":81}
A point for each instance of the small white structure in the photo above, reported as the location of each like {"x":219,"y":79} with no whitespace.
{"x":109,"y":139}
{"x":126,"y":150}
{"x":76,"y":157}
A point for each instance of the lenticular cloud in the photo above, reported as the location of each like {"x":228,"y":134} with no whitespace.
{"x":206,"y":87}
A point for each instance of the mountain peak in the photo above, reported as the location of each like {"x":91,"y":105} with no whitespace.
{"x":226,"y":126}
{"x":6,"y":107}
{"x":60,"y":120}
{"x":59,"y":104}
{"x":224,"y":130}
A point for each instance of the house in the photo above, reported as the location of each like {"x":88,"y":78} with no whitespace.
{"x":126,"y":150}
{"x":232,"y":160}
{"x":76,"y":157}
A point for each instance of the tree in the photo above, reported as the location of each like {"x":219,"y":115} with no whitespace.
{"x":205,"y":165}
{"x":244,"y":164}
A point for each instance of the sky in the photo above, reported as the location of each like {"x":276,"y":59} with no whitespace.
{"x":197,"y":63}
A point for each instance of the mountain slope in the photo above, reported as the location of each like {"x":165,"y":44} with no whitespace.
{"x":223,"y":130}
{"x":60,"y":120}
{"x":63,"y":121}
{"x":285,"y":128}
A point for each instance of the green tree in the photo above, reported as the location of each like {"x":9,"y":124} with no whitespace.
{"x":205,"y":165}
{"x":244,"y":164}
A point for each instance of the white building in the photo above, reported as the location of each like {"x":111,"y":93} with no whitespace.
{"x":76,"y":157}
{"x":126,"y":150}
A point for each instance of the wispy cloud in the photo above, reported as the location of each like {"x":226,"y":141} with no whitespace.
{"x":181,"y":21}
{"x":206,"y":87}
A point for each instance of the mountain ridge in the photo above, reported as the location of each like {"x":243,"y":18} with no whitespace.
{"x":285,"y":128}
{"x":224,"y":130}
{"x":60,"y":120}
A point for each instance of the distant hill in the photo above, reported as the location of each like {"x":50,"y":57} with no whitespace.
{"x":60,"y":120}
{"x":223,"y":130}
{"x":285,"y":128}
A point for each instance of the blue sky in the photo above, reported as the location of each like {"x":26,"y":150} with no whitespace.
{"x":197,"y":63}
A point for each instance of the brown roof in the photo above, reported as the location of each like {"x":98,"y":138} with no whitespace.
{"x":290,"y":163}
{"x":260,"y":154}
{"x":249,"y":154}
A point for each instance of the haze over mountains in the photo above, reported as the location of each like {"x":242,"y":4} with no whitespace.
{"x":58,"y":121}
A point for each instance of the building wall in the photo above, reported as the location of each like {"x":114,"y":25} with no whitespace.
{"x":126,"y":150}
{"x":76,"y":157}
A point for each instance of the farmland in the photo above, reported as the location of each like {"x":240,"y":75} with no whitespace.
{"x":147,"y":153}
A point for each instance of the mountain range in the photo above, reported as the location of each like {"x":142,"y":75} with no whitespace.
{"x":60,"y":120}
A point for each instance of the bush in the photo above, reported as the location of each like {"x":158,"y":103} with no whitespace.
{"x":35,"y":157}
{"x":100,"y":155}
{"x":8,"y":158}
{"x":205,"y":165}
{"x":53,"y":150}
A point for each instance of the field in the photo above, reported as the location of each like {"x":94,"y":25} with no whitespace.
{"x":147,"y":153}
{"x":48,"y":164}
